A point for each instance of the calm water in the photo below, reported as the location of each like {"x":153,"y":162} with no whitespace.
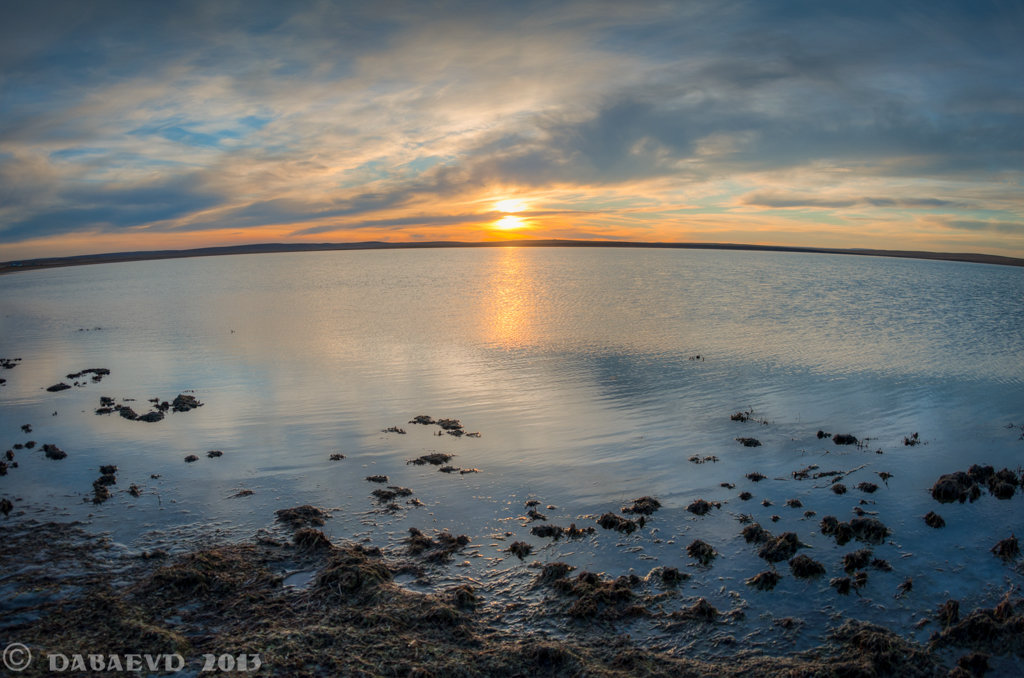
{"x":575,"y":366}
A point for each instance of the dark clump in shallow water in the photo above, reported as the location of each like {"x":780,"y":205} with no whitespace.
{"x":643,"y":506}
{"x":999,"y":630}
{"x":756,"y":534}
{"x":867,"y":487}
{"x":857,"y":560}
{"x":842,"y":585}
{"x":702,"y":610}
{"x":749,"y":442}
{"x":870,"y":530}
{"x":300,"y":516}
{"x":957,"y":486}
{"x":107,"y":479}
{"x":422,"y":419}
{"x":933,"y":519}
{"x":598,"y":598}
{"x":434,"y":458}
{"x":553,"y":571}
{"x":214,"y":454}
{"x":981,"y":473}
{"x":377,"y":479}
{"x":311,"y":539}
{"x":436,"y":550}
{"x":701,"y":551}
{"x":100,"y":492}
{"x":700,"y":507}
{"x":54,"y":452}
{"x":839,"y":488}
{"x":948,"y":613}
{"x":184,"y":403}
{"x":780,"y":548}
{"x":352,"y":572}
{"x":58,"y":387}
{"x":671,"y":576}
{"x":391,"y":493}
{"x":756,"y":477}
{"x":746,"y":496}
{"x":6,"y":506}
{"x":1007,"y":549}
{"x":191,"y":458}
{"x":844,"y":439}
{"x":610,"y":521}
{"x":573,"y":532}
{"x":764,"y":581}
{"x":804,"y":567}
{"x":547,"y":531}
{"x":520,"y":549}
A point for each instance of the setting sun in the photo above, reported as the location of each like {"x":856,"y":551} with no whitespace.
{"x":509,"y":223}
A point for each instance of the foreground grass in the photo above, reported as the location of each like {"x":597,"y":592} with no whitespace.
{"x":353,"y":620}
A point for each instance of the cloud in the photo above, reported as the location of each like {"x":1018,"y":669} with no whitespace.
{"x":782,"y":200}
{"x":197,"y":116}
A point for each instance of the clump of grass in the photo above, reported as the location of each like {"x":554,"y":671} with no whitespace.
{"x":1007,"y":549}
{"x":610,"y":521}
{"x":597,"y":598}
{"x":352,"y":572}
{"x":764,"y":581}
{"x":804,"y":567}
{"x":643,"y":506}
{"x":701,"y":551}
{"x":434,"y":458}
{"x":699,"y":507}
{"x":552,"y":531}
{"x":311,"y":539}
{"x":300,"y":516}
{"x":780,"y":548}
{"x":701,"y":610}
{"x":756,"y":534}
{"x":856,"y":560}
{"x":957,"y":486}
{"x":436,"y":550}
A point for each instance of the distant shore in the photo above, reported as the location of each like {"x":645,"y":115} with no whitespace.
{"x":15,"y":266}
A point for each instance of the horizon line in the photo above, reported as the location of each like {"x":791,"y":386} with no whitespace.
{"x":18,"y":265}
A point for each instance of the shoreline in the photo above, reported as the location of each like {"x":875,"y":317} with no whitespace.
{"x":15,"y":266}
{"x":353,"y":618}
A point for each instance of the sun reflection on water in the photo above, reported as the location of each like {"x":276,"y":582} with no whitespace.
{"x":512,"y":298}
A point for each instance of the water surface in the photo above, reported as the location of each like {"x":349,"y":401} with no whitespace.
{"x":593,"y":377}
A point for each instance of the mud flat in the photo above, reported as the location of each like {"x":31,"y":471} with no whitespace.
{"x":353,"y":618}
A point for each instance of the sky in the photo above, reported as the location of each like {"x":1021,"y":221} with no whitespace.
{"x":167,"y":125}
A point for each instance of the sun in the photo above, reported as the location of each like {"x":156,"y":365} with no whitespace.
{"x":510,"y":205}
{"x":510,"y":223}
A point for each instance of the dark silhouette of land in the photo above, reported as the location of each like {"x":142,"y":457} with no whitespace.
{"x":80,"y":260}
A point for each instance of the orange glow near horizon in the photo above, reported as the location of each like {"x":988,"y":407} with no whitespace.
{"x":510,"y":223}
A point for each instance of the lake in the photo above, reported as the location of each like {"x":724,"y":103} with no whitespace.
{"x":594,"y":377}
